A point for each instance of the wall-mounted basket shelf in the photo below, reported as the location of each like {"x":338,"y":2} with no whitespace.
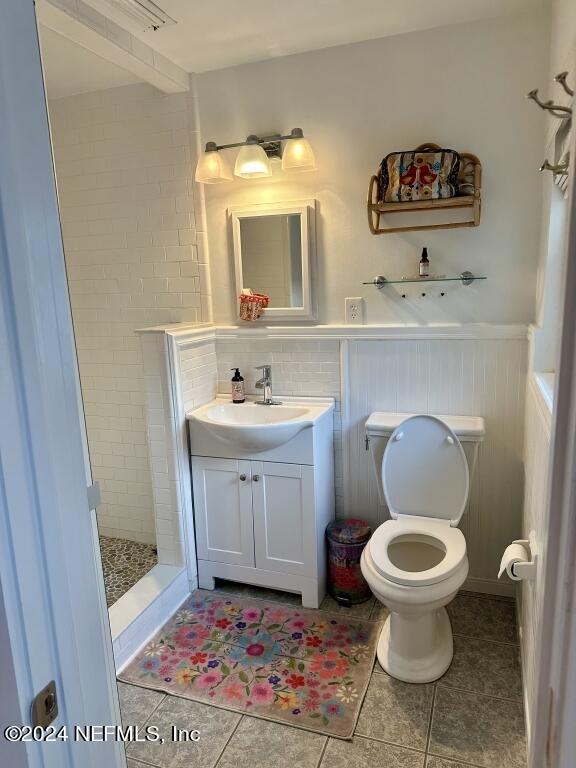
{"x":470,"y":174}
{"x":466,"y":278}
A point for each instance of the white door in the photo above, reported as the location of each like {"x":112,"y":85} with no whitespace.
{"x":52,"y":626}
{"x":554,"y":719}
{"x":223,"y":510}
{"x":284,"y":520}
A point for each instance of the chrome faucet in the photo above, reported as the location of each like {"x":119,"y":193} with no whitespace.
{"x":265,"y":383}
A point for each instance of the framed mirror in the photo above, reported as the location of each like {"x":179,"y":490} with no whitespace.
{"x":274,"y":245}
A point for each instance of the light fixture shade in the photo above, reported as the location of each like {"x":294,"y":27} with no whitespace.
{"x":298,"y":155}
{"x":252,"y":163}
{"x":212,"y":168}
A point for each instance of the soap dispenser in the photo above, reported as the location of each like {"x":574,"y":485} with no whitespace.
{"x":238,"y":395}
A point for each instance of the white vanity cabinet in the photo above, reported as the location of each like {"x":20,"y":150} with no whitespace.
{"x":223,"y":510}
{"x":284,"y":506}
{"x":259,"y":520}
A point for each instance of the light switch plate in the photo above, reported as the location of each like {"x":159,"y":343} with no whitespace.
{"x":354,"y":310}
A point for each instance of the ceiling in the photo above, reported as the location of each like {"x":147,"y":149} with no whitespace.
{"x":212,"y":35}
{"x":70,"y":69}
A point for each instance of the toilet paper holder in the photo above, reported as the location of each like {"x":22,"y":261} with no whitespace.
{"x":526,"y":571}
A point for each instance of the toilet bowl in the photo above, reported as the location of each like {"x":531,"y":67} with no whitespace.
{"x":416,"y":562}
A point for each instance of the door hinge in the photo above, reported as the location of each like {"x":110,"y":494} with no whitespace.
{"x":44,"y":708}
{"x":367,"y":443}
{"x":94,"y":496}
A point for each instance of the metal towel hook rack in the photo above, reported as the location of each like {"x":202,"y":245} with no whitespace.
{"x":559,"y":168}
{"x":563,"y":113}
{"x":561,"y":79}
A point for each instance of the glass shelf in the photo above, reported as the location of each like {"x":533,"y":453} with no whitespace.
{"x":466,"y":278}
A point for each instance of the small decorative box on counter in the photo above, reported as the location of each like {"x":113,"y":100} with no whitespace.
{"x":252,"y":305}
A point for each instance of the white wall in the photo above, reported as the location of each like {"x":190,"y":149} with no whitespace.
{"x":462,"y":86}
{"x":135,"y":256}
{"x":563,"y":40}
{"x":554,"y":206}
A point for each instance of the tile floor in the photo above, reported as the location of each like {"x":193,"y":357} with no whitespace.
{"x":124,"y":563}
{"x":473,"y":716}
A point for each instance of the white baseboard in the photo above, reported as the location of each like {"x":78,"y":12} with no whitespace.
{"x":140,"y":613}
{"x":490,"y":587}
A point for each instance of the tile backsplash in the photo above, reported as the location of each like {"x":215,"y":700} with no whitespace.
{"x":299,"y":368}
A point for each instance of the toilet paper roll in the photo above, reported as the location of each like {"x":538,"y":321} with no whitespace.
{"x":515,"y":553}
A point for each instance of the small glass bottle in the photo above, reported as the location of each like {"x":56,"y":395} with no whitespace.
{"x":424,"y":264}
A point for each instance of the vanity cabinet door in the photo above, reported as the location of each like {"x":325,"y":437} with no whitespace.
{"x":284,"y":520}
{"x":223,"y":510}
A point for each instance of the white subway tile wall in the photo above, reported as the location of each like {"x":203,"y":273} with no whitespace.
{"x":198,"y":374}
{"x":299,"y":368}
{"x":163,"y":450}
{"x":135,"y":257}
{"x":172,"y":388}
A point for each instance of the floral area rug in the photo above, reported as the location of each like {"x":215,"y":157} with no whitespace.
{"x":305,"y":668}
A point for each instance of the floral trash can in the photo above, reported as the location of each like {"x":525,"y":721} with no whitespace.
{"x":346,"y":540}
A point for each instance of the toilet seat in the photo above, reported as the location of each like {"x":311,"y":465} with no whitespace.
{"x":432,"y":532}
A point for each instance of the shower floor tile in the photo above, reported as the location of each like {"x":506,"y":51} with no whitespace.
{"x":124,"y":563}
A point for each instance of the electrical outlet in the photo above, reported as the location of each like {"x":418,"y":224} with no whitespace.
{"x":354,"y":310}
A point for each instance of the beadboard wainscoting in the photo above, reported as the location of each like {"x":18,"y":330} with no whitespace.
{"x":483,"y":377}
{"x":537,"y":465}
{"x":444,"y":370}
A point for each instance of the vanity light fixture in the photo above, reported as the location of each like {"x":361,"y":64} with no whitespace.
{"x":298,"y":154}
{"x":253,"y":160}
{"x":212,"y":168}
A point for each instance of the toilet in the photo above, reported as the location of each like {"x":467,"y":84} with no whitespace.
{"x":416,"y":562}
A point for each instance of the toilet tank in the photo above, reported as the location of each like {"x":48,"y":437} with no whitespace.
{"x":380,"y":425}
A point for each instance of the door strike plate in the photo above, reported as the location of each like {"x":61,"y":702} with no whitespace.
{"x":45,"y":706}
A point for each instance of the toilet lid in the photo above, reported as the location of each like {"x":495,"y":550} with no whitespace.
{"x":425,"y":471}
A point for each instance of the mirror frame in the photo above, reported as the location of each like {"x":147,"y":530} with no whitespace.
{"x":306,"y":209}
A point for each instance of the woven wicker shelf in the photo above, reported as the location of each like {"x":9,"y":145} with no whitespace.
{"x":470,"y":173}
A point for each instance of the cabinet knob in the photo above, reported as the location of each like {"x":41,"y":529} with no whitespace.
{"x":242,"y":477}
{"x":255,"y":478}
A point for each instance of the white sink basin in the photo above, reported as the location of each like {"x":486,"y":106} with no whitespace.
{"x":254,"y":427}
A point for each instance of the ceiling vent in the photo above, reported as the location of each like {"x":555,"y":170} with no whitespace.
{"x":145,"y":14}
